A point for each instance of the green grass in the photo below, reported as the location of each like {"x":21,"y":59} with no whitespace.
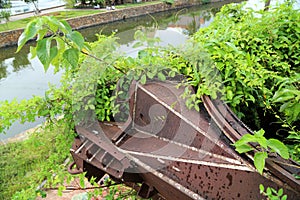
{"x":24,"y":165}
{"x":12,"y":25}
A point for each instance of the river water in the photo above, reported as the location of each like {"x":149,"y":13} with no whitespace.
{"x":22,"y":77}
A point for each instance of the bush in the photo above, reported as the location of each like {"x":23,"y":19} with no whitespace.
{"x":257,"y":53}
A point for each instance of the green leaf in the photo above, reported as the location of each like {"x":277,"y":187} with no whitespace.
{"x":60,"y":190}
{"x":232,"y":46}
{"x":259,"y":161}
{"x":41,"y":34}
{"x":172,"y":74}
{"x":261,"y":188}
{"x":52,"y":23}
{"x":150,"y":74}
{"x":279,"y":148}
{"x":60,"y":43}
{"x":33,"y":52}
{"x":283,"y":95}
{"x":53,"y":53}
{"x":161,"y":76}
{"x":21,"y":41}
{"x":48,"y":45}
{"x":65,"y":25}
{"x":81,"y":182}
{"x":243,"y":148}
{"x":245,"y":139}
{"x":143,"y":79}
{"x":42,"y":53}
{"x":229,"y":94}
{"x":262,"y":141}
{"x":259,"y":133}
{"x":269,"y":191}
{"x":77,"y":39}
{"x":29,"y":32}
{"x":280,"y":192}
{"x":72,"y":56}
{"x":283,"y":98}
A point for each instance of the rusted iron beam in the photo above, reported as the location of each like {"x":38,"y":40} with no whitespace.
{"x":177,"y":153}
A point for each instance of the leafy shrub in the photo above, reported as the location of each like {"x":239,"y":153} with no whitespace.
{"x":22,"y":168}
{"x":257,"y":54}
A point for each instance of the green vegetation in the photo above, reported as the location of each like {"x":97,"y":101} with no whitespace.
{"x":272,"y":194}
{"x":62,"y":15}
{"x":4,"y":13}
{"x":252,"y":63}
{"x":11,"y":25}
{"x":266,"y":147}
{"x":258,"y":58}
{"x":23,"y":169}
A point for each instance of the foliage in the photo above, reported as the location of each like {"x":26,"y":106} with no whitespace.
{"x":265,"y":146}
{"x":5,"y":12}
{"x":22,"y":168}
{"x":56,"y":102}
{"x":62,"y":47}
{"x":93,"y":91}
{"x":116,"y":191}
{"x":272,"y":194}
{"x":11,"y":25}
{"x":70,"y":3}
{"x":4,"y":3}
{"x":68,"y":100}
{"x":254,"y":71}
{"x":256,"y":54}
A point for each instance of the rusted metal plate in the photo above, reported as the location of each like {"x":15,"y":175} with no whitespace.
{"x":178,"y":153}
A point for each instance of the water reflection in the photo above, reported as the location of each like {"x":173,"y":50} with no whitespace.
{"x":189,"y":19}
{"x":12,"y":62}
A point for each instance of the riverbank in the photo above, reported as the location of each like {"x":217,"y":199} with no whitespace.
{"x":10,"y":38}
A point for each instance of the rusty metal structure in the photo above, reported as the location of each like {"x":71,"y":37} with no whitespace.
{"x":166,"y":151}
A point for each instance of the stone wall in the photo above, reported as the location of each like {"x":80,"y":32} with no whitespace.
{"x":10,"y":38}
